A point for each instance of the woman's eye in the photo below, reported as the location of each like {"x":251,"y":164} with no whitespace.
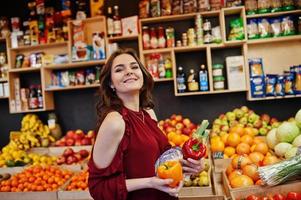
{"x":118,"y":70}
{"x":135,"y":67}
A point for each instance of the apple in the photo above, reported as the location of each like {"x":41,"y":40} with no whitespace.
{"x":273,"y":120}
{"x":186,"y":122}
{"x":233,"y":123}
{"x":186,"y":131}
{"x":70,"y":134}
{"x":222,"y":117}
{"x":252,"y":117}
{"x":243,"y":120}
{"x":91,"y":134}
{"x":86,"y":141}
{"x":238,"y":113}
{"x":266,"y":118}
{"x":264,"y":124}
{"x":69,"y":151}
{"x":78,"y":156}
{"x":263,"y":131}
{"x":173,"y":122}
{"x":78,"y":142}
{"x":71,"y":159}
{"x":78,"y":136}
{"x":161,"y":122}
{"x":165,"y":125}
{"x":60,"y":160}
{"x":70,"y":142}
{"x":225,"y":128}
{"x":224,"y":122}
{"x":179,"y":126}
{"x":179,"y":118}
{"x":258,"y":123}
{"x":216,"y":130}
{"x":276,"y":124}
{"x":84,"y":153}
{"x":230,"y":116}
{"x":170,"y":129}
{"x":217,"y":122}
{"x":245,"y":109}
{"x":250,"y":125}
{"x":173,"y":116}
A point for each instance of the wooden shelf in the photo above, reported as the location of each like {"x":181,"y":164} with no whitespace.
{"x":162,"y":79}
{"x":75,"y":64}
{"x":170,"y":18}
{"x":275,"y":14}
{"x":77,"y":87}
{"x":163,"y":50}
{"x":273,"y":98}
{"x":2,"y":80}
{"x":123,"y":38}
{"x":29,"y":111}
{"x":3,"y":97}
{"x":2,"y":39}
{"x":235,"y":42}
{"x":277,"y":39}
{"x":28,"y":69}
{"x":209,"y":92}
{"x":40,"y":46}
{"x":233,"y":10}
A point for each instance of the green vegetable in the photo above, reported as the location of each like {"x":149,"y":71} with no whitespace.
{"x":287,"y":132}
{"x":298,"y":118}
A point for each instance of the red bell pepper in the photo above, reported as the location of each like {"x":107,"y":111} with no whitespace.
{"x":194,"y":147}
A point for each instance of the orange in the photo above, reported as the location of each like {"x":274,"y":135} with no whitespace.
{"x":184,"y":137}
{"x":215,"y":138}
{"x":234,"y":174}
{"x":249,"y":131}
{"x":229,"y":170}
{"x":217,"y":146}
{"x":259,"y":182}
{"x":256,"y":157}
{"x":261,"y":148}
{"x":243,"y":148}
{"x":247,"y":139}
{"x":171,"y":135}
{"x":233,"y":139}
{"x":241,"y":181}
{"x":177,"y":140}
{"x":269,"y":160}
{"x":240,"y":161}
{"x":229,"y":151}
{"x":237,"y":129}
{"x":258,"y":139}
{"x":255,"y":131}
{"x":224,"y":138}
{"x":251,"y":171}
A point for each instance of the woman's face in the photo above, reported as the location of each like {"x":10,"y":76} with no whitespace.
{"x":126,"y":74}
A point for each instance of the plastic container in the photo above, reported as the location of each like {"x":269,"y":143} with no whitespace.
{"x":217,"y":70}
{"x":218,"y":83}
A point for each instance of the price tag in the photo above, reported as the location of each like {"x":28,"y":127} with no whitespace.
{"x":218,"y":155}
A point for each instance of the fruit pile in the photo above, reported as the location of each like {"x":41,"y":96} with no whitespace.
{"x":202,"y":179}
{"x":70,"y":157}
{"x":289,"y":196}
{"x":177,"y":129}
{"x":36,"y":178}
{"x":76,"y":138}
{"x":79,"y":181}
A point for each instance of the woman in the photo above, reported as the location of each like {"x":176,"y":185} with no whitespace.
{"x":129,"y":141}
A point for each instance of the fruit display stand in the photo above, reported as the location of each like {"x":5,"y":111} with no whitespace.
{"x":265,"y":191}
{"x":215,"y":197}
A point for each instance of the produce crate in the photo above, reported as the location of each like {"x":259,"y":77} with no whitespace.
{"x":39,"y":150}
{"x":72,"y":195}
{"x":28,"y":195}
{"x":56,"y":151}
{"x":11,"y":170}
{"x":264,"y":191}
{"x":213,"y":197}
{"x":221,"y":165}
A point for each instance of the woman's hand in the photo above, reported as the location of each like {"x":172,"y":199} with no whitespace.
{"x":192,"y":166}
{"x":162,"y":185}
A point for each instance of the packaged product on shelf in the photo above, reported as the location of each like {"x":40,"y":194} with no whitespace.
{"x":276,"y":27}
{"x":270,"y":85}
{"x":297,"y":82}
{"x":287,"y":26}
{"x":64,"y":79}
{"x":90,"y":76}
{"x":217,"y":70}
{"x":144,"y":7}
{"x":80,"y":77}
{"x":72,"y":78}
{"x":26,"y":62}
{"x":299,"y":24}
{"x":264,"y":28}
{"x":236,"y":73}
{"x":184,"y":39}
{"x":110,"y":22}
{"x":98,"y":44}
{"x":203,"y":5}
{"x":181,"y":80}
{"x":203,"y":79}
{"x":298,"y":4}
{"x":152,"y":64}
{"x":47,"y":59}
{"x":26,"y":36}
{"x":153,"y":38}
{"x":288,"y":5}
{"x":189,"y":6}
{"x":54,"y":79}
{"x":96,"y":7}
{"x":170,"y":37}
{"x":33,"y":98}
{"x":237,"y":29}
{"x":61,"y":58}
{"x":191,"y":37}
{"x":4,"y":27}
{"x":6,"y":89}
{"x":129,"y":25}
{"x":117,"y":22}
{"x":40,"y":96}
{"x":288,"y":83}
{"x":161,"y":38}
{"x":192,"y":83}
{"x":279,"y":89}
{"x":15,"y":38}
{"x":207,"y":37}
{"x":34,"y":32}
{"x":218,"y":83}
{"x":251,"y":7}
{"x":256,"y":67}
{"x":276,"y":5}
{"x":161,"y":67}
{"x":252,"y":29}
{"x":33,"y":60}
{"x":233,"y":3}
{"x":257,"y":86}
{"x":15,"y":24}
{"x":177,"y":7}
{"x":145,"y":37}
{"x":155,"y":9}
{"x":168,"y":68}
{"x":216,"y":4}
{"x":166,"y":7}
{"x":264,"y":6}
{"x":216,"y":35}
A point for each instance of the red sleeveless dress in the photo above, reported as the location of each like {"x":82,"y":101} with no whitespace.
{"x":142,"y":143}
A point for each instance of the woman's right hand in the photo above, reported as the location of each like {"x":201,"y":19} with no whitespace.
{"x":162,"y":185}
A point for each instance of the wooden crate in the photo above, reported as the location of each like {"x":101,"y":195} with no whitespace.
{"x":72,"y":195}
{"x":11,"y":170}
{"x":213,"y":197}
{"x":221,"y":165}
{"x":28,"y":195}
{"x":264,"y":191}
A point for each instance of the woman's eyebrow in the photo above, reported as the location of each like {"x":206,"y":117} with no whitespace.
{"x":119,"y":65}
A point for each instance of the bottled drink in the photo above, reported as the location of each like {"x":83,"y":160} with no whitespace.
{"x":161,"y":67}
{"x":192,"y":83}
{"x":117,"y":22}
{"x":110,"y":23}
{"x":203,"y":78}
{"x":33,"y":98}
{"x":181,"y":80}
{"x":40,"y":96}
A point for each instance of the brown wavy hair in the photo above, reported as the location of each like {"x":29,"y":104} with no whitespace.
{"x":108,"y":100}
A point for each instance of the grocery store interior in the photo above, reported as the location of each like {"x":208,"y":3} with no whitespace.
{"x":235,"y":63}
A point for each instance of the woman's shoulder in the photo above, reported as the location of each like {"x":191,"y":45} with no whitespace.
{"x":113,"y":121}
{"x":151,"y":113}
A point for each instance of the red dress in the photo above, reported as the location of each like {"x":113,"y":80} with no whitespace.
{"x":142,"y":143}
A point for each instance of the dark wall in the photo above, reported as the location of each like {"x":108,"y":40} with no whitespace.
{"x":76,"y":109}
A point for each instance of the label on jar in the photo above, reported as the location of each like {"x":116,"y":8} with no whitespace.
{"x":117,"y":27}
{"x":219,"y":85}
{"x":181,"y":84}
{"x":146,"y":41}
{"x":193,"y":86}
{"x":217,"y":72}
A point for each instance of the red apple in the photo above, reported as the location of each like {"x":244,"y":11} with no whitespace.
{"x":86,"y":141}
{"x":165,"y":125}
{"x":186,"y":131}
{"x":78,"y":156}
{"x":265,"y":117}
{"x":70,"y":142}
{"x":273,"y":120}
{"x":69,"y":151}
{"x":169,"y":129}
{"x":61,"y":160}
{"x":91,"y":134}
{"x":84,"y":153}
{"x":186,"y":122}
{"x":71,"y":159}
{"x":161,"y":122}
{"x":179,"y":126}
{"x":173,"y":116}
{"x":173,"y":122}
{"x":70,"y":134}
{"x":257,"y":124}
{"x":179,"y":118}
{"x":78,"y":142}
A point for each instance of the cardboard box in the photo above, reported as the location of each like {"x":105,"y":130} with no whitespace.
{"x":236,"y":73}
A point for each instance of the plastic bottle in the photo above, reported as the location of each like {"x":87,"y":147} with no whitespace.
{"x":181,"y":80}
{"x":203,"y":79}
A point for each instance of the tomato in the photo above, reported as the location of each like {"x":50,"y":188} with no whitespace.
{"x":293,"y":196}
{"x":253,"y":197}
{"x":279,"y":197}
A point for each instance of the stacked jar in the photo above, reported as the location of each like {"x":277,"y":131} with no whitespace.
{"x":199,"y":29}
{"x":218,"y":77}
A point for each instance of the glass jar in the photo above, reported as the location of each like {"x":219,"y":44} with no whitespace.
{"x":161,"y":38}
{"x":251,"y":7}
{"x":264,"y":6}
{"x":219,"y":83}
{"x":217,"y":70}
{"x":145,"y":37}
{"x":153,"y":39}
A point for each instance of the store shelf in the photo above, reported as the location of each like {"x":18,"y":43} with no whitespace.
{"x":77,"y":87}
{"x":123,"y":38}
{"x":29,"y":111}
{"x":278,"y":39}
{"x":208,"y":92}
{"x":3,"y":80}
{"x":40,"y":46}
{"x":24,"y":70}
{"x":3,"y":97}
{"x":275,"y":14}
{"x":162,"y":79}
{"x":2,"y":39}
{"x":273,"y":98}
{"x":75,"y":64}
{"x":163,"y":50}
{"x":235,"y":43}
{"x":233,"y":10}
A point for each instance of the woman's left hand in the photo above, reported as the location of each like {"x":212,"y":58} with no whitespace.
{"x":192,"y":166}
